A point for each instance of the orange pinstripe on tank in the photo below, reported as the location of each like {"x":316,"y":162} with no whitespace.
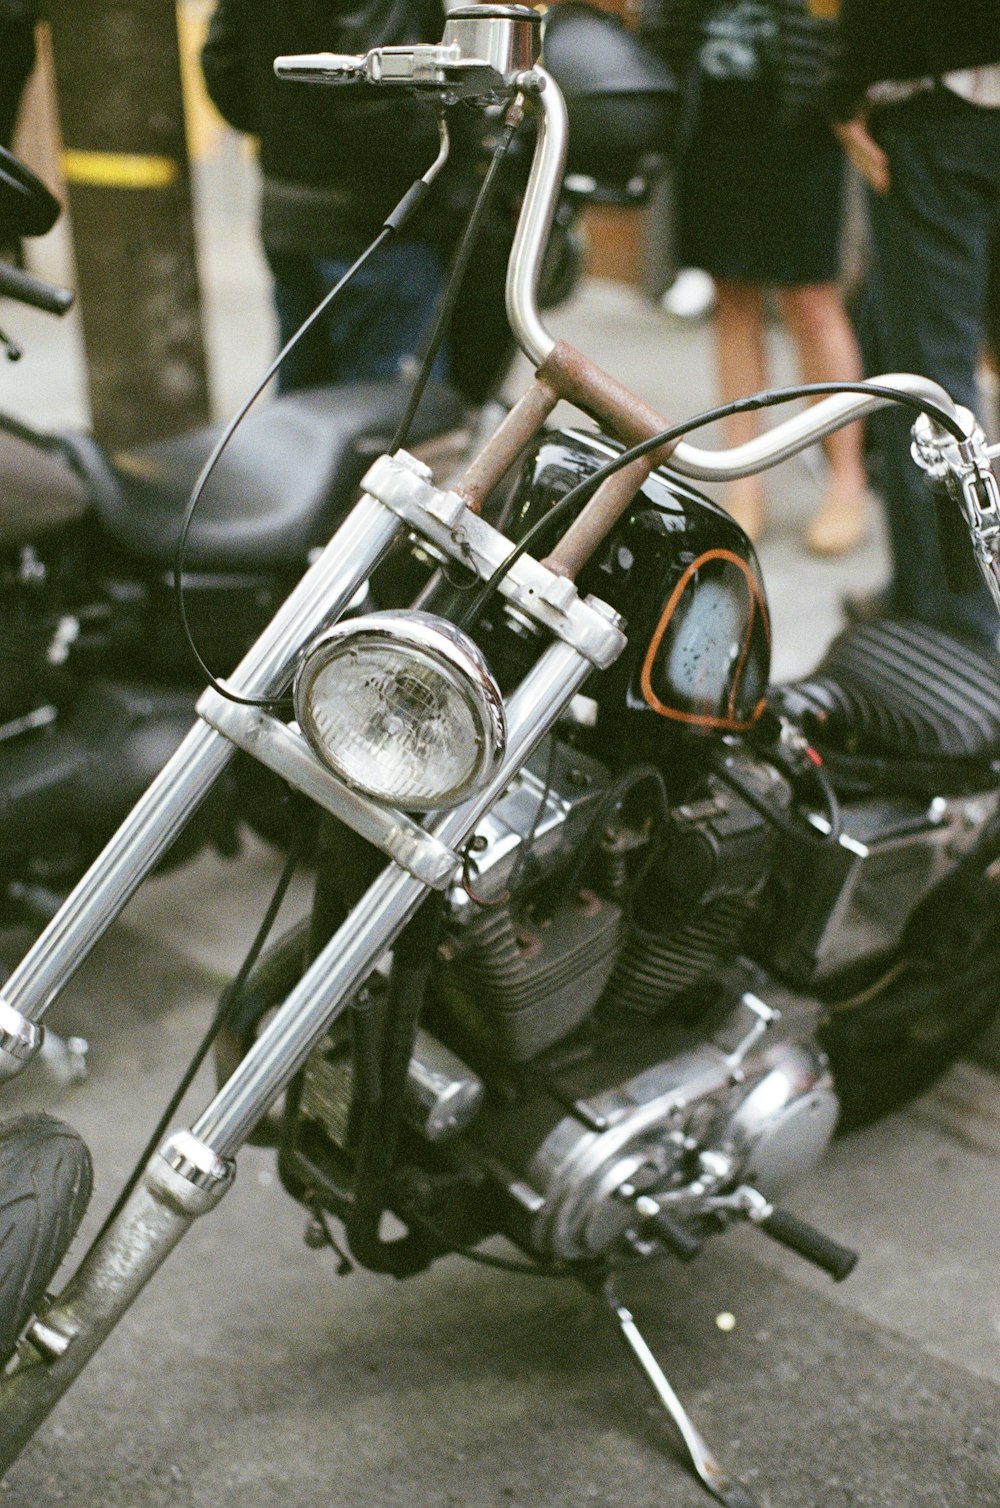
{"x":730,"y":723}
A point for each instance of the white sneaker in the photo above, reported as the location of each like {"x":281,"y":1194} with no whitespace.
{"x":691,"y":295}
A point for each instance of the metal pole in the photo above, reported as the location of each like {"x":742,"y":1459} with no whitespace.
{"x":125,"y":162}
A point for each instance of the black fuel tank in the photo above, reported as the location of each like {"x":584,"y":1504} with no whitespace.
{"x":685,"y":578}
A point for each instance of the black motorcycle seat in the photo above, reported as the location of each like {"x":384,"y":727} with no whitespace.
{"x":904,"y":706}
{"x":287,"y":477}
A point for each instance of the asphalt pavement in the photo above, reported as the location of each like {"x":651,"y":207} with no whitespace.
{"x":249,"y":1374}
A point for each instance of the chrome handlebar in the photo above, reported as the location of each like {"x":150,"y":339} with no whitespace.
{"x":488,"y":55}
{"x":806,"y":428}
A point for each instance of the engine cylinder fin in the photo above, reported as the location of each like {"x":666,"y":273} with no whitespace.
{"x":650,"y":973}
{"x":529,"y":984}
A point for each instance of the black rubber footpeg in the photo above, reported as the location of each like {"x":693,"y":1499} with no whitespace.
{"x":801,"y":1237}
{"x":675,"y":1236}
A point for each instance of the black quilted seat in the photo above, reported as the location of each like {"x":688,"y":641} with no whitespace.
{"x":286,"y":479}
{"x":905,"y":706}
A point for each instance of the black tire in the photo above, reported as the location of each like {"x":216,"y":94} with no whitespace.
{"x":893,"y":1039}
{"x":879,"y":1065}
{"x":46,"y":1177}
{"x":274,"y":977}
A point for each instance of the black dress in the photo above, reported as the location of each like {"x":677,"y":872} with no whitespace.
{"x":758,"y":194}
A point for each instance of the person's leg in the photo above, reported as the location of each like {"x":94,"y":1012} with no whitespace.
{"x":376,"y":322}
{"x":298,"y":287}
{"x":17,"y":59}
{"x":828,"y":352}
{"x":381,"y":319}
{"x":930,"y":239}
{"x":742,"y":369}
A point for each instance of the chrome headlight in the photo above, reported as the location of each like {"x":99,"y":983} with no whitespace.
{"x":403,"y":707}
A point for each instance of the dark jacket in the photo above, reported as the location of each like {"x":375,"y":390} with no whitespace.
{"x":335,"y":159}
{"x":802,"y":50}
{"x":17,"y":59}
{"x":881,"y":40}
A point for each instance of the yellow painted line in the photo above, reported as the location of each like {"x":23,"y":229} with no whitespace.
{"x":126,"y":170}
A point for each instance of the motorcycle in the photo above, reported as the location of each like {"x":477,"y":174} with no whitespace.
{"x":607,"y":934}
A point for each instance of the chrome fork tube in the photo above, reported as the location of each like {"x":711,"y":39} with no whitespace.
{"x":191,"y":1172}
{"x":374,"y":922}
{"x":185,"y":780}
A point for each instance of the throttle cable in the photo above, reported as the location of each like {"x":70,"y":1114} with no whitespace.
{"x":394,"y":221}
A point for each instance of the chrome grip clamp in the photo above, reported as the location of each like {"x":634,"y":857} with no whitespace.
{"x":963,"y":467}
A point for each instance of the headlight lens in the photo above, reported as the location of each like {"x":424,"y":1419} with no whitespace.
{"x":402,"y":707}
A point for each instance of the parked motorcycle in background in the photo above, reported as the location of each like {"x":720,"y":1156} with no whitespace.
{"x":607,"y":932}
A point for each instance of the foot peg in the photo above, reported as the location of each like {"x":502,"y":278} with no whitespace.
{"x":674,"y":1236}
{"x":798,"y":1235}
{"x":801,"y":1237}
{"x":705,"y":1465}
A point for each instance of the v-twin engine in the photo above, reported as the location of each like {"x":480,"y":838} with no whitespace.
{"x":596,"y":1073}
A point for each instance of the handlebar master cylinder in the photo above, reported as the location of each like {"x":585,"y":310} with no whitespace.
{"x":484,"y":55}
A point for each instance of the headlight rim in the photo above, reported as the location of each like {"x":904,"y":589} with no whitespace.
{"x":446,"y":646}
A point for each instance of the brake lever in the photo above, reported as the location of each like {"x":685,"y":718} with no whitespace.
{"x":439,"y":70}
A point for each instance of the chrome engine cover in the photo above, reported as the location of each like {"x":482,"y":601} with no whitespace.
{"x":766,"y":1115}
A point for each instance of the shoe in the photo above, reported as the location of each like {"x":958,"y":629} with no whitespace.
{"x":865,"y":607}
{"x":691,"y":295}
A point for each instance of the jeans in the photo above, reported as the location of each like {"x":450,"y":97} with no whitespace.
{"x":923,"y":310}
{"x":375,"y":323}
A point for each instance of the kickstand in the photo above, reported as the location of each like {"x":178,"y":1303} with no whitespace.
{"x":708,"y":1469}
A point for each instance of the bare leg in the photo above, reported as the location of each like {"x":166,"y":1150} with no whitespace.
{"x":828,"y":353}
{"x":740,"y":360}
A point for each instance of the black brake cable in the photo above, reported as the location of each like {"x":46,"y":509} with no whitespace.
{"x":578,"y":496}
{"x":394,"y":221}
{"x":460,"y":262}
{"x":584,"y":1271}
{"x":487,"y":1259}
{"x":227,"y":434}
